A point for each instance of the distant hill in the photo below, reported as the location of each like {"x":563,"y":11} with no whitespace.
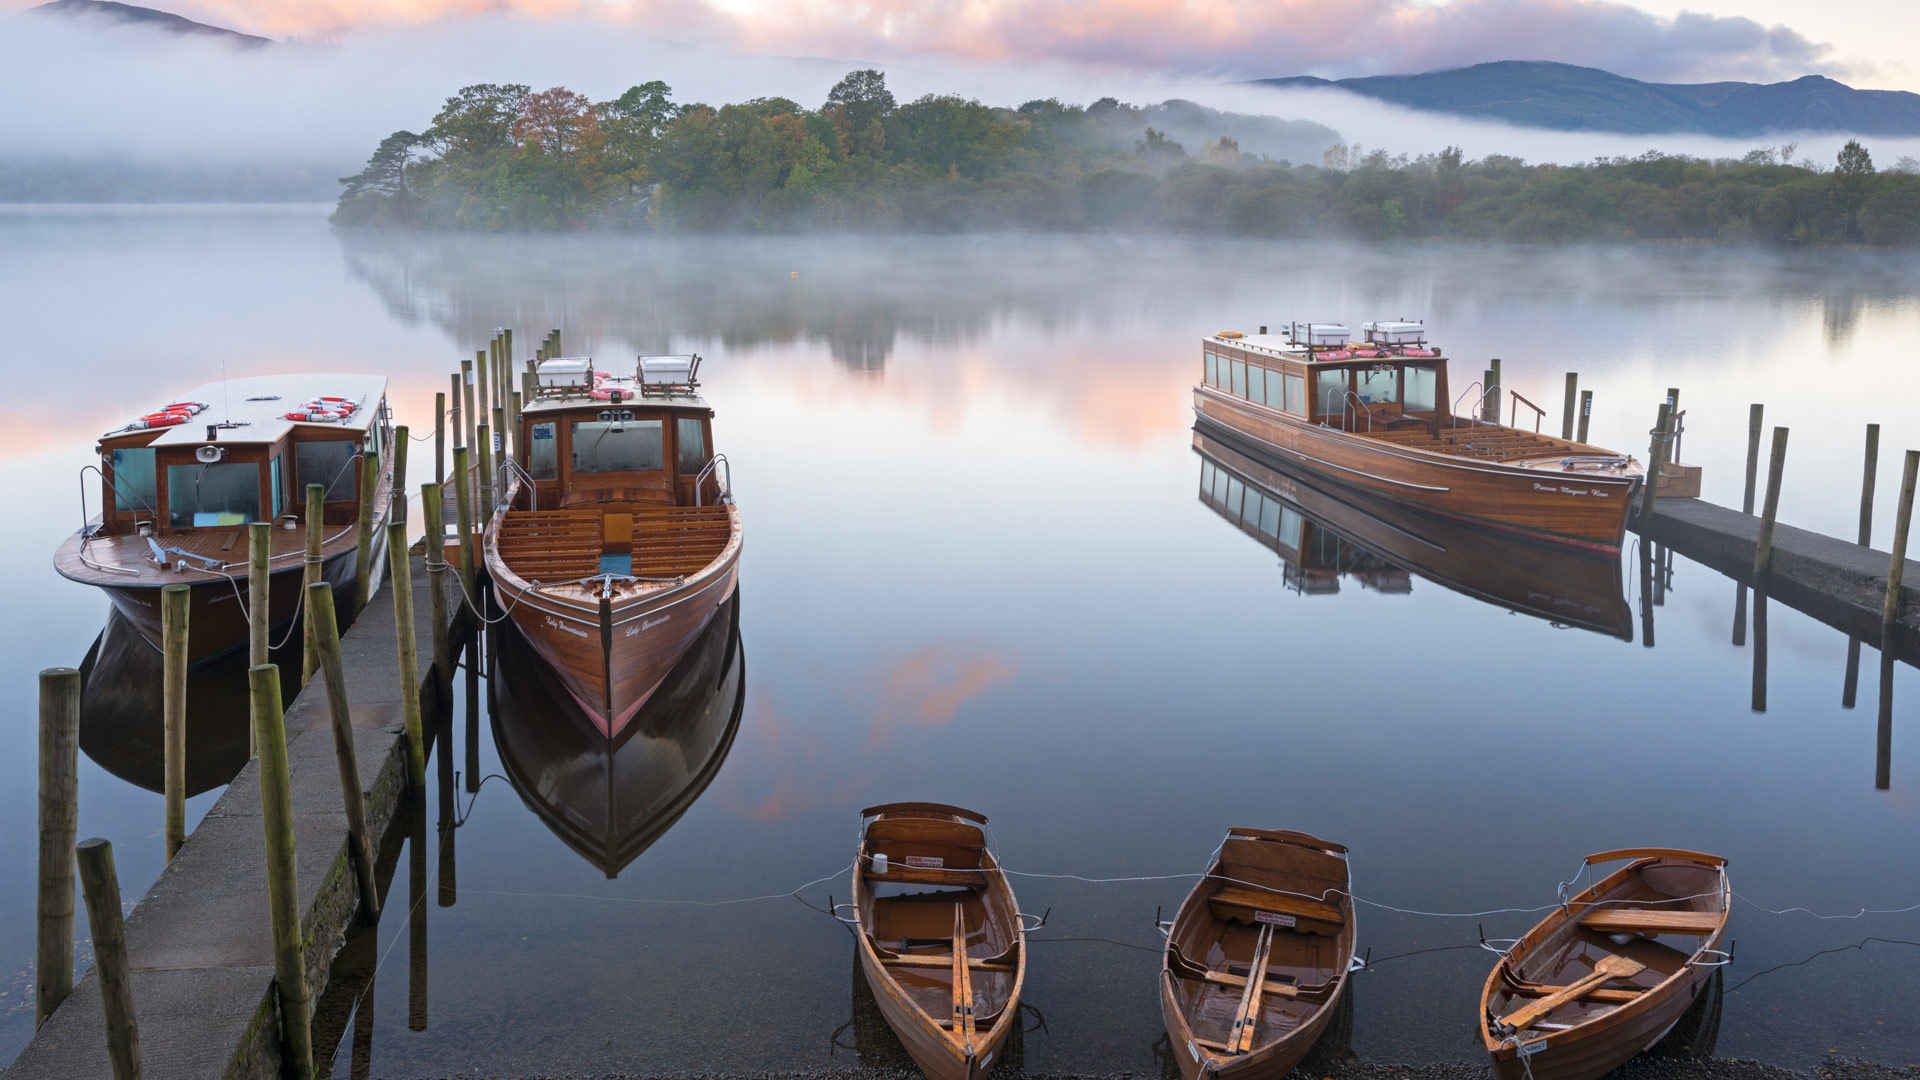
{"x":152,"y":18}
{"x":1563,"y":96}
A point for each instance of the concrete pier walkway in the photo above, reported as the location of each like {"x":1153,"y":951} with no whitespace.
{"x":1843,"y":585}
{"x":199,"y":942}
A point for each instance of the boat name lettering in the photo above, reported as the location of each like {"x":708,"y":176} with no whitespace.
{"x":563,"y":627}
{"x":648,"y":624}
{"x":1528,"y":1049}
{"x":1273,"y":918}
{"x":932,"y":861}
{"x":1565,"y":490}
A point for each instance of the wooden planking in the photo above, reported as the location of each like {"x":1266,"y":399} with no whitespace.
{"x":1619,"y":920}
{"x":1243,"y":904}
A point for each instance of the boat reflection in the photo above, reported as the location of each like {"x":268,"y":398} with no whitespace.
{"x":609,"y":801}
{"x":120,"y":710}
{"x":1324,"y":533}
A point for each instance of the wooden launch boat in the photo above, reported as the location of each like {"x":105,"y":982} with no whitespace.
{"x":1609,"y":973}
{"x":1380,"y":417}
{"x":618,"y":537}
{"x":1323,"y":532}
{"x":610,"y":801}
{"x":180,"y":485}
{"x":941,"y":940}
{"x":1257,"y":956}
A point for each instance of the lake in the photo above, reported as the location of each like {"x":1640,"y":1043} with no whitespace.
{"x":984,"y":565}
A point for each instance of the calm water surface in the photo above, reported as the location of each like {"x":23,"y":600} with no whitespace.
{"x":980,"y":568}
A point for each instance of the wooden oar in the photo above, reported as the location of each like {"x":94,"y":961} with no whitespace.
{"x":1609,"y":967}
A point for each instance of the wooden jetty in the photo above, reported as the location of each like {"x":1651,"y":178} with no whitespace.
{"x":201,"y":954}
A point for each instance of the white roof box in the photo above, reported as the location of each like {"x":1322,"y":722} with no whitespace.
{"x":1395,"y":333}
{"x":1319,"y":333}
{"x":565,"y":372}
{"x":668,"y":370}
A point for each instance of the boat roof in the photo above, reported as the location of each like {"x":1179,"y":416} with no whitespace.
{"x":657,"y":396}
{"x":259,"y":404}
{"x":1279,"y":345}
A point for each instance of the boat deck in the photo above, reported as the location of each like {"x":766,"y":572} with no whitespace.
{"x":567,"y":545}
{"x":1482,"y":441}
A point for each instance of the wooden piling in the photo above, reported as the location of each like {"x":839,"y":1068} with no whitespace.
{"x":1586,"y":414}
{"x":440,"y":437}
{"x":174,"y":601}
{"x":463,"y":522}
{"x":363,"y":531}
{"x":466,"y":388}
{"x":484,"y":482}
{"x":283,"y":895}
{"x":59,"y":817}
{"x":316,"y":522}
{"x":1567,"y":406}
{"x":500,"y":453}
{"x":1656,"y":458}
{"x":1754,"y":427}
{"x":514,"y":428}
{"x":1489,"y":397}
{"x":400,"y":573}
{"x":102,"y":888}
{"x":1763,"y":548}
{"x":1867,"y":477}
{"x":483,"y":364}
{"x":436,"y":551}
{"x":1902,"y":524}
{"x":399,"y":493}
{"x":259,"y":589}
{"x":333,"y":670}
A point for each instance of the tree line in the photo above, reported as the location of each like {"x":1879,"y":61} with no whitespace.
{"x":501,"y":156}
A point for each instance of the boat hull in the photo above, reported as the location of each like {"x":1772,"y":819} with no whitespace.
{"x":1583,"y":510}
{"x":216,"y":619}
{"x":924,"y":1044}
{"x":611,"y":680}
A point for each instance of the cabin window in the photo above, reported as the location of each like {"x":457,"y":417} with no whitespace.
{"x":1422,"y":384}
{"x":276,"y":490}
{"x":1379,"y":386}
{"x":543,"y":457}
{"x":1239,"y":387}
{"x":1235,"y":489}
{"x":1270,"y":518}
{"x":1330,"y":392}
{"x":328,"y":464}
{"x":1220,"y":486}
{"x":1296,"y":395}
{"x":1275,"y":393}
{"x":1290,"y":528}
{"x":224,"y":494}
{"x":619,"y":446}
{"x":1212,"y":366}
{"x":690,"y":444}
{"x":1206,"y":476}
{"x":1256,"y":386}
{"x":133,"y":480}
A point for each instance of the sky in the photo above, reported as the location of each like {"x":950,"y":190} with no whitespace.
{"x":1758,"y":40}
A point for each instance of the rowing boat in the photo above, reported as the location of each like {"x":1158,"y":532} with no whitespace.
{"x":1611,"y":971}
{"x":941,"y":940}
{"x":1257,"y":955}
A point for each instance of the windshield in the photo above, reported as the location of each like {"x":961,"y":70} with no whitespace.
{"x":618,"y":446}
{"x":225,"y":494}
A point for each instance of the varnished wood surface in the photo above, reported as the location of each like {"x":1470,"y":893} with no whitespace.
{"x":954,"y":1020}
{"x":1580,"y":509}
{"x":1551,"y":581}
{"x":1295,"y":976}
{"x":1603,"y":1032}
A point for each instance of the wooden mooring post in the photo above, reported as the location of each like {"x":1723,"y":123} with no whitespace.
{"x":102,"y":887}
{"x":333,"y":670}
{"x":59,"y":818}
{"x":363,"y":531}
{"x":463,"y":521}
{"x":1755,"y":414}
{"x":283,"y":894}
{"x":1763,"y":546}
{"x":259,"y":590}
{"x":1902,"y":526}
{"x":400,"y":573}
{"x":440,"y":437}
{"x":174,"y":603}
{"x":1567,"y":407}
{"x":316,"y":522}
{"x":436,"y":564}
{"x":483,"y":364}
{"x":484,"y":482}
{"x":1586,"y":414}
{"x":399,"y":493}
{"x":1850,"y":686}
{"x":1656,"y":457}
{"x":466,"y":387}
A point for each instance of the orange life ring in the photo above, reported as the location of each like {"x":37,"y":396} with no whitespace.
{"x":160,"y":419}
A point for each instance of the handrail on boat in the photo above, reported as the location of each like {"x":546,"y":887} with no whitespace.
{"x":1326,"y":407}
{"x":509,"y":468}
{"x":1480,"y":404}
{"x":1518,"y":400}
{"x":725,"y":485}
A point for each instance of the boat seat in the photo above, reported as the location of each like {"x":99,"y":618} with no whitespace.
{"x":1239,"y":904}
{"x":1619,"y":920}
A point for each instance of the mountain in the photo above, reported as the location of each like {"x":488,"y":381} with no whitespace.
{"x":1563,"y":96}
{"x":165,"y":21}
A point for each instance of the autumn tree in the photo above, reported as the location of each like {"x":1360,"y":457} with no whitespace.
{"x":478,"y":119}
{"x":557,"y":121}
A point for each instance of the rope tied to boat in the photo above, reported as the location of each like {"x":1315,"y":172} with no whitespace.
{"x":442,"y":566}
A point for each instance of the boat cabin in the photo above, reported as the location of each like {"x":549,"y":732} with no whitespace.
{"x":241,"y":451}
{"x":619,"y":473}
{"x":1315,"y":372}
